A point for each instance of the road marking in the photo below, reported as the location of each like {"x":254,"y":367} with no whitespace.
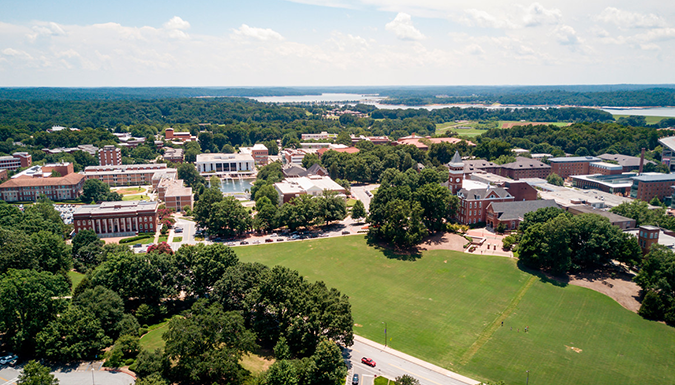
{"x":415,"y":374}
{"x":4,"y":379}
{"x":10,"y":381}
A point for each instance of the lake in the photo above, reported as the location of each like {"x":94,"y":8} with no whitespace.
{"x":374,"y":99}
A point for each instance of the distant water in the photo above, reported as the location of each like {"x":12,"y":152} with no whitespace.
{"x":231,"y":186}
{"x":374,"y":100}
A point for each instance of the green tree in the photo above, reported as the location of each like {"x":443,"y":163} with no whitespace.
{"x":50,"y":251}
{"x":656,"y":202}
{"x":228,"y":217}
{"x":266,"y":217}
{"x":191,"y":155}
{"x":204,"y":207}
{"x":344,"y":138}
{"x":554,"y":179}
{"x":282,"y":372}
{"x":153,"y":379}
{"x":358,"y":210}
{"x":35,"y":373}
{"x":74,"y":335}
{"x":547,"y":245}
{"x":438,"y":205}
{"x":27,"y":305}
{"x":406,"y":380}
{"x":269,"y":192}
{"x":188,"y":173}
{"x":149,"y":363}
{"x":95,"y":190}
{"x":310,"y":160}
{"x":330,"y":207}
{"x":87,"y":249}
{"x":105,"y":305}
{"x":13,"y":247}
{"x":207,"y":344}
{"x":201,"y":266}
{"x":402,"y":224}
{"x":652,"y":307}
{"x":329,"y":367}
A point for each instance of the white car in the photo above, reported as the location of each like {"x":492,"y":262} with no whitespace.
{"x":7,"y":359}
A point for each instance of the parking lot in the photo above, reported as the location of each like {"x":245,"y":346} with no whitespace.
{"x":66,"y":212}
{"x":84,"y":374}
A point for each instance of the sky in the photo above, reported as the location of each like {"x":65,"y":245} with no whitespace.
{"x":226,"y":43}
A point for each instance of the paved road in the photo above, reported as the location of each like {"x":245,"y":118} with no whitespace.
{"x":188,"y":233}
{"x":9,"y":376}
{"x":359,"y":192}
{"x":392,"y":364}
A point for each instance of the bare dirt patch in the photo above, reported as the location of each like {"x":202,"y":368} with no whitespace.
{"x":444,"y":241}
{"x":577,"y":350}
{"x":620,"y":288}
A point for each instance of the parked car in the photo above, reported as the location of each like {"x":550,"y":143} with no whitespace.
{"x":178,"y":230}
{"x":368,"y":361}
{"x":355,"y":379}
{"x":346,"y":232}
{"x":280,"y":239}
{"x":268,"y":240}
{"x":7,"y":359}
{"x":138,"y":245}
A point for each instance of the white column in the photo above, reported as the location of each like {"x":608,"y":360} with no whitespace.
{"x":136,"y":223}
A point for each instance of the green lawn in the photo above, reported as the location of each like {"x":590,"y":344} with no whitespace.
{"x":76,"y":278}
{"x":446,"y":308}
{"x":153,"y":339}
{"x":351,"y":202}
{"x":649,"y":119}
{"x":177,"y":239}
{"x":134,"y":197}
{"x":162,"y":238}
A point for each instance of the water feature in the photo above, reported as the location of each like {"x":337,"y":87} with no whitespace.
{"x":238,"y":187}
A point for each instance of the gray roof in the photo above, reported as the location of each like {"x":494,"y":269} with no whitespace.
{"x":517,"y":210}
{"x":479,"y":194}
{"x":668,"y":142}
{"x":477,"y":164}
{"x":586,"y":209}
{"x":456,"y":160}
{"x":522,"y":163}
{"x":624,"y":160}
{"x":293,"y":170}
{"x":314,"y":170}
{"x":654,"y":177}
{"x":569,"y":159}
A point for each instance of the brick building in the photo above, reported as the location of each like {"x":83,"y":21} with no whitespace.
{"x":524,"y":168}
{"x":174,"y":194}
{"x":173,"y":155}
{"x":16,"y":161}
{"x":603,"y":168}
{"x":574,"y":165}
{"x":37,"y":180}
{"x":628,"y":163}
{"x":124,"y":175}
{"x":615,"y":219}
{"x":521,"y":191}
{"x":109,"y":155}
{"x":473,"y":203}
{"x":117,"y":219}
{"x":647,"y":186}
{"x":170,"y":135}
{"x":259,"y":153}
{"x":512,"y":213}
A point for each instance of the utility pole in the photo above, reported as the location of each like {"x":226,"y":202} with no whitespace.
{"x":385,"y":334}
{"x":527,"y":382}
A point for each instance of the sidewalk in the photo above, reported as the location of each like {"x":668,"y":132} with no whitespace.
{"x":417,"y":361}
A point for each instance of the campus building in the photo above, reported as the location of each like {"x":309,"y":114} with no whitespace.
{"x":117,"y":219}
{"x":615,"y":219}
{"x":173,"y":155}
{"x":259,"y":153}
{"x":222,"y":164}
{"x":573,"y":165}
{"x":29,"y":184}
{"x":510,"y":214}
{"x":668,"y":152}
{"x":321,"y":136}
{"x":172,"y":136}
{"x":312,"y":185}
{"x":109,"y":155}
{"x":125,"y":175}
{"x":649,"y":185}
{"x":473,"y":203}
{"x":174,"y":193}
{"x":524,"y":168}
{"x":628,"y":163}
{"x":16,"y":161}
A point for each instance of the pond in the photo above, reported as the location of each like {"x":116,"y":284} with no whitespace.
{"x":236,"y":186}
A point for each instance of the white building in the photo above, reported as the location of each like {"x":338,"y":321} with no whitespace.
{"x":312,"y":185}
{"x":322,"y":136}
{"x":220,"y":164}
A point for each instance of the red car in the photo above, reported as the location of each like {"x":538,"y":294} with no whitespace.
{"x":368,"y":361}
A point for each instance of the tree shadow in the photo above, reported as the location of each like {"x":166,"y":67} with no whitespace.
{"x":559,"y":280}
{"x":390,"y":252}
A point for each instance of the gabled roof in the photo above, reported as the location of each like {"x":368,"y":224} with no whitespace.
{"x":293,"y":170}
{"x":484,"y":193}
{"x":517,"y":210}
{"x":25,"y":181}
{"x":316,"y":169}
{"x":523,"y":163}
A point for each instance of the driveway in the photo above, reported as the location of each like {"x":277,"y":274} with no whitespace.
{"x":80,"y":376}
{"x":188,"y":233}
{"x":392,"y":363}
{"x":359,"y":192}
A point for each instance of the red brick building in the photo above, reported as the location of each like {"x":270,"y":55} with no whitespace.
{"x":524,"y":168}
{"x":170,"y":135}
{"x":125,"y":175}
{"x":647,"y":186}
{"x":603,"y":168}
{"x":16,"y":161}
{"x":512,"y":213}
{"x":473,"y":203}
{"x":37,"y":180}
{"x":117,"y":219}
{"x":521,"y":191}
{"x":574,"y":165}
{"x":109,"y":155}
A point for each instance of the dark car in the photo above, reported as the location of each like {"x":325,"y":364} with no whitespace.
{"x":178,"y":230}
{"x":346,"y":232}
{"x":243,"y":243}
{"x":280,"y":239}
{"x":368,"y":361}
{"x":355,"y":379}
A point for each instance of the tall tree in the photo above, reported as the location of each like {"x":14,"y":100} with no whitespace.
{"x":28,"y":304}
{"x":358,"y":210}
{"x":228,"y":217}
{"x":330,"y":207}
{"x":329,"y":367}
{"x":200,"y":266}
{"x":35,"y":373}
{"x":188,"y":172}
{"x":105,"y":305}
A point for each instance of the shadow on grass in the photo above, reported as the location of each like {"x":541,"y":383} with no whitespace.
{"x":390,"y":252}
{"x":560,"y":281}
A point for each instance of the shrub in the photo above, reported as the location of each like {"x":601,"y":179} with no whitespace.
{"x":652,"y":307}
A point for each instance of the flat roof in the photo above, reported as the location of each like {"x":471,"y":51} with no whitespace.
{"x":565,"y":196}
{"x":202,"y":158}
{"x":585,"y":209}
{"x":654,"y":177}
{"x":120,"y":207}
{"x":668,"y":142}
{"x":572,"y":159}
{"x":619,"y":180}
{"x":608,"y":166}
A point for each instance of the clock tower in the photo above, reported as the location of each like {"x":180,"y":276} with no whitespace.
{"x":456,"y":168}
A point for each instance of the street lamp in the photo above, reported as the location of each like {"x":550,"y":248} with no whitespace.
{"x":528,"y":377}
{"x":92,"y":376}
{"x":385,"y":334}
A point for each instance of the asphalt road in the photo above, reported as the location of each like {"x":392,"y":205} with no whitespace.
{"x":188,"y":233}
{"x":9,"y":376}
{"x":359,"y":192}
{"x":391,"y":366}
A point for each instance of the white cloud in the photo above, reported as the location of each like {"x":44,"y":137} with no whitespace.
{"x":479,"y":18}
{"x":566,"y":35}
{"x":659,"y":34}
{"x":45,"y":29}
{"x":11,"y":52}
{"x":402,"y":26}
{"x":474,"y":49}
{"x":536,"y":15}
{"x":177,"y":23}
{"x":626,"y":19}
{"x":263,"y":34}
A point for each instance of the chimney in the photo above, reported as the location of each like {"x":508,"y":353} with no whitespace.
{"x":642,"y":161}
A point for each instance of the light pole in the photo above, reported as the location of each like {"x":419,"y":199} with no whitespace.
{"x":527,"y":382}
{"x":385,"y":334}
{"x":92,"y":376}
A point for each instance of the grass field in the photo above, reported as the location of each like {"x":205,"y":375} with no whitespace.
{"x":649,"y":119}
{"x":446,"y":307}
{"x":134,"y":197}
{"x":76,"y":278}
{"x":351,"y":202}
{"x":177,"y":239}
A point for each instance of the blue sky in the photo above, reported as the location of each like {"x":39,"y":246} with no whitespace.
{"x":335,"y":42}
